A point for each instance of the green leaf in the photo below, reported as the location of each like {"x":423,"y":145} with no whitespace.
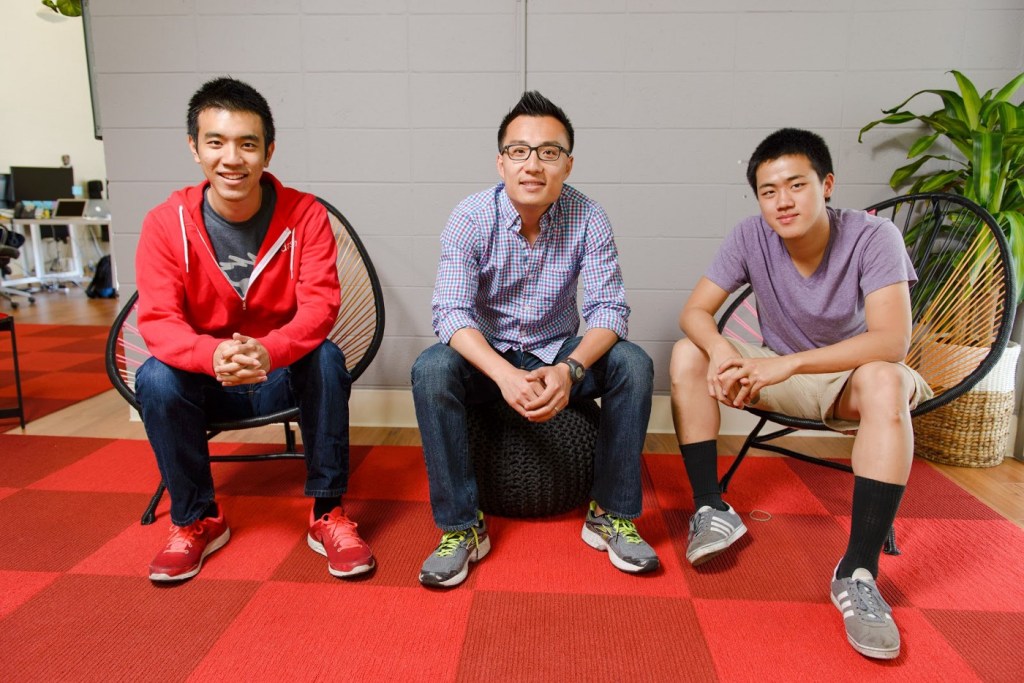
{"x":903,"y":173}
{"x":921,"y":145}
{"x":1012,"y":223}
{"x":1010,"y":117}
{"x":986,"y":160}
{"x":893,"y":120}
{"x":1008,"y":90}
{"x":939,"y":181}
{"x":971,"y":102}
{"x":69,"y":8}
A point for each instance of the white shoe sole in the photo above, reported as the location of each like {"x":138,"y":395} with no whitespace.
{"x":709,"y":552}
{"x":355,"y":571}
{"x":211,"y":547}
{"x":596,"y":541}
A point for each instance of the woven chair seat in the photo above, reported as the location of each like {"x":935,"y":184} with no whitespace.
{"x":531,"y":469}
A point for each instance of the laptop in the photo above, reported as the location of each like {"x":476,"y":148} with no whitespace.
{"x":69,"y":208}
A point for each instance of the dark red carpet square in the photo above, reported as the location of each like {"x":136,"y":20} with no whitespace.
{"x":517,"y":636}
{"x":26,"y":459}
{"x":54,"y":530}
{"x":341,"y":631}
{"x":970,"y":633}
{"x":393,"y":472}
{"x":168,"y":632}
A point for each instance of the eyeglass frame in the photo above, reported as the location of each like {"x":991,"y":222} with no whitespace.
{"x":561,"y":151}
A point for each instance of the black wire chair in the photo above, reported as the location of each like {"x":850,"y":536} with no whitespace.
{"x":962,"y":308}
{"x":358,"y":331}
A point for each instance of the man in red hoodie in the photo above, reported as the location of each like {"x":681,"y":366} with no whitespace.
{"x":238,"y":290}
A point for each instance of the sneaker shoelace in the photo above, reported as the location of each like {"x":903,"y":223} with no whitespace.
{"x":626,"y":529}
{"x":341,"y":530}
{"x":451,"y":540}
{"x":700,"y":522}
{"x":181,"y":538}
{"x":867,"y":601}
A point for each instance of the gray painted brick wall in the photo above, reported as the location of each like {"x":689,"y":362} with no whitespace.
{"x":388,"y":109}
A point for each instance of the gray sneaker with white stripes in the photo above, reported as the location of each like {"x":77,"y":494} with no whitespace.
{"x":711,"y":532}
{"x":866,"y":615}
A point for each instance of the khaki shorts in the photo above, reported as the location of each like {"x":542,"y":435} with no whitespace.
{"x":814,"y":397}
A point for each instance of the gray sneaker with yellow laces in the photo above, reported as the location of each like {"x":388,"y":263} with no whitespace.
{"x":619,"y":537}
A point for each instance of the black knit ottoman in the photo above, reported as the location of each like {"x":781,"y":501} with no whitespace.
{"x":529,"y":469}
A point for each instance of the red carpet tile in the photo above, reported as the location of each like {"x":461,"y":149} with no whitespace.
{"x":60,"y":365}
{"x":76,"y":603}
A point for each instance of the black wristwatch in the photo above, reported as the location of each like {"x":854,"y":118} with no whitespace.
{"x":576,"y":370}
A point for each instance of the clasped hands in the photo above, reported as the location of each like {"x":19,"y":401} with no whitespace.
{"x":738,"y":381}
{"x":240,"y":360}
{"x":539,"y":394}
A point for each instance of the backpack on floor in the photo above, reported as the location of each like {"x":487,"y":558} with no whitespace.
{"x":102,"y":285}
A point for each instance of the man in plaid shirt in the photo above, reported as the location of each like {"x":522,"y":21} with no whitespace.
{"x":505,"y":312}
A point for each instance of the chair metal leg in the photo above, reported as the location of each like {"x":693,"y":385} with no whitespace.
{"x":289,"y":437}
{"x":149,"y":516}
{"x":724,"y":483}
{"x":890,"y":547}
{"x":8,"y":325}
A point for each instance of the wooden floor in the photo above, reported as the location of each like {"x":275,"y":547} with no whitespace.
{"x":107,"y":416}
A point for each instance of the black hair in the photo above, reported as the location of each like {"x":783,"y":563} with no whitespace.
{"x":532,"y":103}
{"x":786,"y":141}
{"x":232,"y":95}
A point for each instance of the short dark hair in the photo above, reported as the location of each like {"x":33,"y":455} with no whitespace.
{"x":232,"y":95}
{"x":786,"y":141}
{"x":532,"y":103}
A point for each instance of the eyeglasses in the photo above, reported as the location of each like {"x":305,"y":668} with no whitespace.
{"x":549,"y":154}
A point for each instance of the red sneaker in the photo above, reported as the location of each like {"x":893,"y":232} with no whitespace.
{"x":187,"y":547}
{"x":334,"y":535}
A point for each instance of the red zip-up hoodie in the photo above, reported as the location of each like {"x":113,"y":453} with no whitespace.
{"x":187,"y":306}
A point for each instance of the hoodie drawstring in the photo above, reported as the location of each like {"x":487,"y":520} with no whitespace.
{"x":184,"y":238}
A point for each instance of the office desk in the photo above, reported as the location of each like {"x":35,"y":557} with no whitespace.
{"x":32,"y":257}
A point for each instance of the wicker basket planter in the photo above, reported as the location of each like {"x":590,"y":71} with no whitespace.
{"x":974,"y":430}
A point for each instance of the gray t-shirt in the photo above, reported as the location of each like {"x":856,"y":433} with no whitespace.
{"x":864,"y":253}
{"x":237,"y":245}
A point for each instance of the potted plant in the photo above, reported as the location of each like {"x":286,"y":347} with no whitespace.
{"x":987,"y":162}
{"x":972,"y":146}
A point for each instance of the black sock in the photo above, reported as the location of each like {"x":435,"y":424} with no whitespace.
{"x":701,"y":460}
{"x":874,"y":508}
{"x":323,"y":506}
{"x":210,"y":511}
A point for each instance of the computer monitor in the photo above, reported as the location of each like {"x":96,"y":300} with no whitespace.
{"x":41,"y":183}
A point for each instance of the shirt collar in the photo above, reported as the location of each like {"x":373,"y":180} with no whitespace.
{"x":509,"y":217}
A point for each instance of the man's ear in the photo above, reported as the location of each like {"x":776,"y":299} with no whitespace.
{"x":192,"y":146}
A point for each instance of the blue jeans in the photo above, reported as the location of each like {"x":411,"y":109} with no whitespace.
{"x":444,"y":383}
{"x":177,"y":405}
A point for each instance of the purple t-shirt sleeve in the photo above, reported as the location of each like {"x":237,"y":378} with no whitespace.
{"x":728,"y":270}
{"x":884,"y":260}
{"x":798,"y":312}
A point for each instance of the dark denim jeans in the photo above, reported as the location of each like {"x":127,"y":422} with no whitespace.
{"x":444,"y":383}
{"x":177,"y":405}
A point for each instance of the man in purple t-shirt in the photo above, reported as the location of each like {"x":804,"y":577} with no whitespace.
{"x":833,"y":296}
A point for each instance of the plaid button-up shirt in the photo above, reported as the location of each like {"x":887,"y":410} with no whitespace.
{"x":520,"y":296}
